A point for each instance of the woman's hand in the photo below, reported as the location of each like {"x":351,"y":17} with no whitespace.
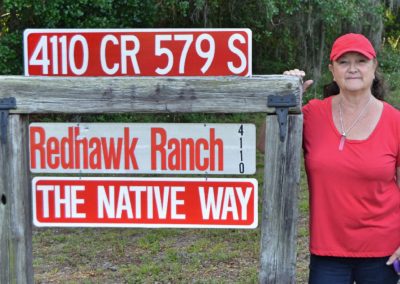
{"x":300,"y":74}
{"x":306,"y":85}
{"x":394,"y":256}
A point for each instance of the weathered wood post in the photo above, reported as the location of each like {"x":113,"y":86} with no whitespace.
{"x":15,"y":204}
{"x":280,"y":196}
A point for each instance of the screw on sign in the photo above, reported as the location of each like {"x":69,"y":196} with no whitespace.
{"x":137,"y":52}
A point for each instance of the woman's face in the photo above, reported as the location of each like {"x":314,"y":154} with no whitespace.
{"x":353,"y":72}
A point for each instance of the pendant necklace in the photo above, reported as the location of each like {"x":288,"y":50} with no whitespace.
{"x":344,"y":131}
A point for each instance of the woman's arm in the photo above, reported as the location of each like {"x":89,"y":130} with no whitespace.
{"x":395,"y":255}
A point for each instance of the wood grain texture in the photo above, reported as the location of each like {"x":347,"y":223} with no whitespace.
{"x":280,"y":201}
{"x":15,"y":205}
{"x":147,"y":94}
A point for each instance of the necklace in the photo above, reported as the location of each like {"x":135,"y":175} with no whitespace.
{"x":344,"y":131}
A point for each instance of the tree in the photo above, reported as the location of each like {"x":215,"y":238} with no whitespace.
{"x":286,"y":34}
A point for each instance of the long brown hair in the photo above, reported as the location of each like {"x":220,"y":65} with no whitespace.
{"x":378,"y":89}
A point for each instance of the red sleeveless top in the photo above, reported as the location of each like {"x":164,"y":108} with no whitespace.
{"x":354,"y":197}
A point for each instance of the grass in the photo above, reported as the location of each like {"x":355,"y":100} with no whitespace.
{"x":145,"y":256}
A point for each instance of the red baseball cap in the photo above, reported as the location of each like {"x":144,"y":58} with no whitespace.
{"x":352,"y":42}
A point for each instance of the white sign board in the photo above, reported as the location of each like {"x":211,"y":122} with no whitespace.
{"x":151,"y":148}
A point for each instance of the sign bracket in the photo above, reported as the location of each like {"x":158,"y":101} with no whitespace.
{"x":5,"y":105}
{"x":282,"y":104}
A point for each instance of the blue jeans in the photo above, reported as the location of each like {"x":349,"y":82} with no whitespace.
{"x":347,"y":270}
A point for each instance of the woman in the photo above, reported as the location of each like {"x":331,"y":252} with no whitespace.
{"x":351,"y":143}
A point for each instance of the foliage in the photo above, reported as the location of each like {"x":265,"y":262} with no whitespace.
{"x":286,"y":34}
{"x":392,"y":28}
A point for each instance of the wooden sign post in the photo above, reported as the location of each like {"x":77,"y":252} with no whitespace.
{"x":280,"y":198}
{"x":15,"y":204}
{"x":155,"y":95}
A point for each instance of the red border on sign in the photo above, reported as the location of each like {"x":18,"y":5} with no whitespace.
{"x":145,"y":202}
{"x":138,"y":52}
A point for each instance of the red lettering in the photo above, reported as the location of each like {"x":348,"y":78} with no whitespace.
{"x":67,"y":161}
{"x":53,"y":149}
{"x":80,"y":143}
{"x":213,"y":144}
{"x":77,"y":151}
{"x":186,"y":153}
{"x":189,"y":142}
{"x":37,"y":141}
{"x":158,"y":148}
{"x":95,"y":155}
{"x":130,"y":147}
{"x":112,"y":154}
{"x":201,"y":166}
{"x":174,"y":157}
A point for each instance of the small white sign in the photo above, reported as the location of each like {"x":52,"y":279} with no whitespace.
{"x":151,"y":148}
